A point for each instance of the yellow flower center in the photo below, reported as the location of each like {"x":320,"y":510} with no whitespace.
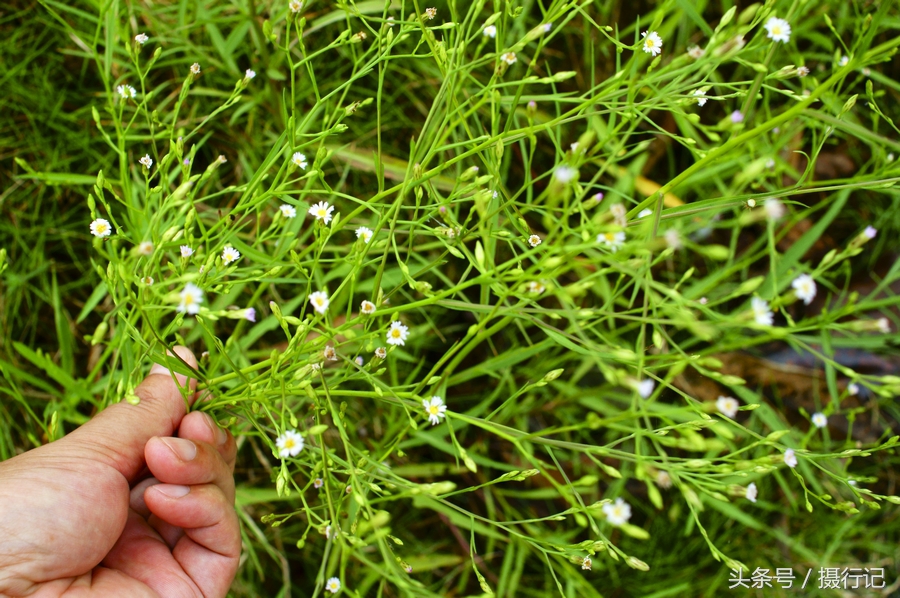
{"x":289,"y":443}
{"x":433,"y":409}
{"x":188,"y":299}
{"x":610,"y":237}
{"x":395,"y":333}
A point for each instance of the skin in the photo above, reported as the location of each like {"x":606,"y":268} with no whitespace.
{"x":137,"y":502}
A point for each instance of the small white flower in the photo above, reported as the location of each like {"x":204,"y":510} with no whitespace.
{"x":564,"y":174}
{"x":509,"y":58}
{"x":381,"y":353}
{"x":430,"y":13}
{"x":295,"y":6}
{"x":288,"y":211}
{"x":359,"y":361}
{"x":701,"y":97}
{"x":727,"y":406}
{"x":612,"y":240}
{"x":870,"y":232}
{"x":364,"y":233}
{"x":819,"y":420}
{"x":644,"y":213}
{"x":663,"y":479}
{"x":101,"y":228}
{"x":249,"y":74}
{"x":146,"y":161}
{"x":534,"y":240}
{"x":843,"y":61}
{"x":329,"y":353}
{"x":126,"y":92}
{"x":853,"y":389}
{"x":618,"y":212}
{"x":186,"y":251}
{"x":322,"y":211}
{"x":535,"y":287}
{"x":586,"y":563}
{"x":230,"y":254}
{"x":790,"y":459}
{"x":779,"y":30}
{"x":547,"y":27}
{"x":883,"y":325}
{"x":804,"y":288}
{"x":390,"y":21}
{"x":318,"y":483}
{"x":145,"y":248}
{"x":434,"y":409}
{"x":191,"y":298}
{"x":645,"y":387}
{"x":774,"y":209}
{"x":618,"y":512}
{"x":141,"y":38}
{"x":673,"y":239}
{"x":751,"y":492}
{"x":397,"y":333}
{"x":289,"y":444}
{"x":696,"y":52}
{"x":195,"y":68}
{"x":490,"y":31}
{"x":249,"y":314}
{"x":802,"y":71}
{"x":319,"y":301}
{"x":367,"y":307}
{"x":147,"y":280}
{"x":761,"y":312}
{"x":299,"y":160}
{"x":333,"y":585}
{"x":652,"y":43}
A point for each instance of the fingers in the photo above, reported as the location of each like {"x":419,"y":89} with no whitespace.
{"x":118,"y":434}
{"x":210,"y":549}
{"x":202,"y":427}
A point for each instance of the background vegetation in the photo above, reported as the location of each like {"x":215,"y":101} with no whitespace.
{"x":544,"y":415}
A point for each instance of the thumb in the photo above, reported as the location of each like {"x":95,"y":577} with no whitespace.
{"x":117,"y":435}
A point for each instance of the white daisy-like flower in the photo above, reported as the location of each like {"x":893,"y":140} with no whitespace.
{"x":322,"y":211}
{"x":195,"y":68}
{"x":490,"y":31}
{"x":586,"y":563}
{"x":778,"y":30}
{"x":397,"y":333}
{"x":146,"y":160}
{"x":618,"y":512}
{"x":509,"y":58}
{"x":329,"y":353}
{"x":804,"y":288}
{"x":101,"y":228}
{"x":790,"y":459}
{"x":853,"y":389}
{"x":535,"y":287}
{"x":249,"y":74}
{"x":367,"y":307}
{"x":802,"y":71}
{"x":774,"y":208}
{"x":299,"y":160}
{"x":564,"y":174}
{"x":289,"y":444}
{"x":319,"y":301}
{"x":618,"y":212}
{"x":186,"y":251}
{"x":612,"y":240}
{"x":644,"y":213}
{"x":727,"y":406}
{"x":381,"y":353}
{"x":191,"y":298}
{"x":147,"y":280}
{"x":663,"y":479}
{"x":645,"y":387}
{"x":761,"y":312}
{"x":288,"y":211}
{"x":434,"y":409}
{"x":701,"y":97}
{"x":230,"y":254}
{"x":141,"y":38}
{"x":534,"y":240}
{"x":696,"y":52}
{"x":295,"y":6}
{"x":751,"y":492}
{"x":819,"y":419}
{"x":652,"y":43}
{"x":318,"y":483}
{"x":430,"y":13}
{"x":145,"y":248}
{"x":126,"y":92}
{"x":333,"y":585}
{"x":364,"y":233}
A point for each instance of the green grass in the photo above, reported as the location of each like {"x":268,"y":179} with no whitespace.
{"x":543,"y":384}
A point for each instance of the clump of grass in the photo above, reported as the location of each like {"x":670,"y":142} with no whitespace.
{"x":564,"y":246}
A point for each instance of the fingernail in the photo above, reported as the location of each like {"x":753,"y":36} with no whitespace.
{"x":218,"y":432}
{"x":158,"y":369}
{"x":183,"y":449}
{"x":173,"y":490}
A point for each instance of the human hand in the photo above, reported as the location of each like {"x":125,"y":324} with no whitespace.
{"x":120,"y":507}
